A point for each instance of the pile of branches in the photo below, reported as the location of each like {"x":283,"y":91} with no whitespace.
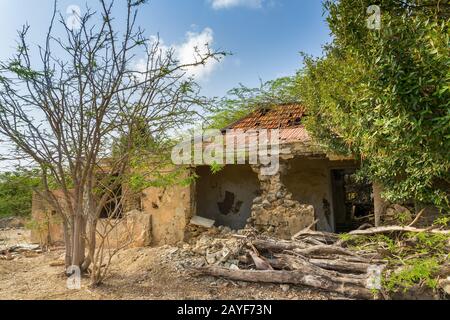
{"x":27,"y":250}
{"x":320,"y":260}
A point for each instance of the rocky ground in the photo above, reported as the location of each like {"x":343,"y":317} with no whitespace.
{"x":136,"y":274}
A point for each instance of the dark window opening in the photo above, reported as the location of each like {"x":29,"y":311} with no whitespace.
{"x":113,"y":207}
{"x":352,"y":200}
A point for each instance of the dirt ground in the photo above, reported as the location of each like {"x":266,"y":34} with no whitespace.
{"x":136,"y":274}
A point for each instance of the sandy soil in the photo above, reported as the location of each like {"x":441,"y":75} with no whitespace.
{"x":136,"y":274}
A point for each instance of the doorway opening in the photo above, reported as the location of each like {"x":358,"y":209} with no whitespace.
{"x":114,"y":205}
{"x":352,"y":200}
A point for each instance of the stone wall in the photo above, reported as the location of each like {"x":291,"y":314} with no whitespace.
{"x":276,"y":211}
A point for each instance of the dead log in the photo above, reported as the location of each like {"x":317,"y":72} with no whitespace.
{"x":277,"y":246}
{"x":389,"y":229}
{"x":296,"y":277}
{"x":328,"y":264}
{"x":324,"y":237}
{"x":354,"y":259}
{"x":304,"y":265}
{"x":260,"y":262}
{"x":324,"y":250}
{"x":341,"y":265}
{"x":418,"y":216}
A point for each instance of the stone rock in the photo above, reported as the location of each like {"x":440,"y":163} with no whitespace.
{"x":285,"y":287}
{"x":445,"y":285}
{"x":290,"y":203}
{"x":397,"y":213}
{"x":257,"y":200}
{"x":234,"y":267}
{"x":266,"y":204}
{"x":211,"y":258}
{"x":281,"y":194}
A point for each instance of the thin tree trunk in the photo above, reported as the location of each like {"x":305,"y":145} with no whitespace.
{"x":78,"y":240}
{"x":68,"y":244}
{"x":91,"y":241}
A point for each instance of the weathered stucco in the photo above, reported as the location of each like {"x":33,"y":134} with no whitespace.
{"x":309,"y":182}
{"x":46,"y":227}
{"x":161,"y":220}
{"x":171,"y":210}
{"x":226,"y":196}
{"x":134,"y":230}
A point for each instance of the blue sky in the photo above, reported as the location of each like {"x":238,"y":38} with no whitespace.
{"x":265,"y":36}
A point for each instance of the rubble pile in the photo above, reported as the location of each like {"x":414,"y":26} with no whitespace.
{"x":314,"y":259}
{"x":11,"y":223}
{"x":19,"y":250}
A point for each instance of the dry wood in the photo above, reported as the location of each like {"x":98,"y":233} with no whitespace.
{"x":310,"y":262}
{"x":341,"y":265}
{"x":303,"y":264}
{"x":323,"y":237}
{"x":389,"y":229}
{"x":324,"y":250}
{"x":260,"y":262}
{"x":277,"y":246}
{"x":340,"y":285}
{"x":307,"y":229}
{"x":419,"y":215}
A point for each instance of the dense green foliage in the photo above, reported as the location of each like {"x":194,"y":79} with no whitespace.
{"x":16,"y":189}
{"x":384,"y":95}
{"x":411,"y":258}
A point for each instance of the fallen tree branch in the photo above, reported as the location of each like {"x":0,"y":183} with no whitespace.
{"x":341,"y":265}
{"x":381,"y":230}
{"x":341,"y":286}
{"x":419,"y":215}
{"x":277,"y":246}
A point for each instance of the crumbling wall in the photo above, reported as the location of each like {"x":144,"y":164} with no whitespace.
{"x":309,"y":182}
{"x":226,"y":196}
{"x":276,"y":211}
{"x":135,"y":230}
{"x":46,"y":227}
{"x":171,"y":210}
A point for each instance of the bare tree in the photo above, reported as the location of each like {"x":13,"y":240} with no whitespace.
{"x":85,"y":91}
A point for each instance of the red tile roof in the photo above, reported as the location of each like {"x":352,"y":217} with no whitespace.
{"x":286,"y":118}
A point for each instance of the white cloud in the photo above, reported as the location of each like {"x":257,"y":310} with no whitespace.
{"x":190,"y":51}
{"x":195,"y":46}
{"x":226,"y":4}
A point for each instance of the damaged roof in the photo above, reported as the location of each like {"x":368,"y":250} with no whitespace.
{"x":287,"y":118}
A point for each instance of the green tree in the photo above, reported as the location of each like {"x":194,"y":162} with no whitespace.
{"x":242,"y":100}
{"x":16,"y":190}
{"x":383,"y":95}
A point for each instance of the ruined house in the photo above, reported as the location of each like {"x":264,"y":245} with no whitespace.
{"x":310,"y":185}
